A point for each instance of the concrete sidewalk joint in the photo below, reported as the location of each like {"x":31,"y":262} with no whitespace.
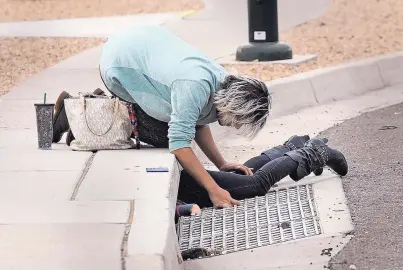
{"x":82,"y":176}
{"x":126,"y":236}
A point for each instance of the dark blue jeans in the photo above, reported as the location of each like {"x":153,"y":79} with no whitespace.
{"x":266,"y":173}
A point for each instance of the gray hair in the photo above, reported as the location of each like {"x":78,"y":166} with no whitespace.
{"x":243,"y":101}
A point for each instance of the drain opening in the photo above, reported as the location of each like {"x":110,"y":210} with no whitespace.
{"x":279,"y":216}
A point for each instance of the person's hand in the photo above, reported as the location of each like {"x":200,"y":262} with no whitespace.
{"x":221,"y":198}
{"x":196,"y":211}
{"x":227,"y":167}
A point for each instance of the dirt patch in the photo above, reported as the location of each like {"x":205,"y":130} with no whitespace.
{"x":349,"y":30}
{"x":24,"y":57}
{"x":25,"y":10}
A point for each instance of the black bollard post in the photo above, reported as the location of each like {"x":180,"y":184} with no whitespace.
{"x":264,"y":44}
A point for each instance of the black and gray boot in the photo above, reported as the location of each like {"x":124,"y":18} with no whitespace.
{"x":293,"y":143}
{"x":314,"y":155}
{"x":60,"y":122}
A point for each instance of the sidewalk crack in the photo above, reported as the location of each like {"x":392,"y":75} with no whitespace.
{"x":87,"y":167}
{"x":381,"y":75}
{"x":123,"y":247}
{"x":314,"y":91}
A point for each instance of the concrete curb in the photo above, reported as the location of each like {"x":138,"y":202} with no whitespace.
{"x":149,"y":241}
{"x":152,"y":243}
{"x":109,"y":191}
{"x":335,"y":83}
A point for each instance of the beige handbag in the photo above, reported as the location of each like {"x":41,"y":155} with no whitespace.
{"x":99,"y":123}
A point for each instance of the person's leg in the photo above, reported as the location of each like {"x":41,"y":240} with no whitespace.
{"x":316,"y":154}
{"x":60,"y":121}
{"x":297,"y":163}
{"x":190,"y":190}
{"x":154,"y":132}
{"x":293,"y":143}
{"x":151,"y":131}
{"x":239,"y":186}
{"x":185,"y":209}
{"x":258,"y":162}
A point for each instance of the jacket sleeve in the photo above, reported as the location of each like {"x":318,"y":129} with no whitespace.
{"x":188,"y":98}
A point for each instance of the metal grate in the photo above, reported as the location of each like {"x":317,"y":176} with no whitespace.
{"x":279,"y":216}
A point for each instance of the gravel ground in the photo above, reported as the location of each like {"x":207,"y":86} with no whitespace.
{"x":25,"y":10}
{"x":23,"y":57}
{"x":349,"y":30}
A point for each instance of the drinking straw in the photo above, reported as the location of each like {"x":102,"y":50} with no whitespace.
{"x":44,"y":98}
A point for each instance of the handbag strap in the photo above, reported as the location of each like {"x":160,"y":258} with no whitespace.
{"x":115,"y":110}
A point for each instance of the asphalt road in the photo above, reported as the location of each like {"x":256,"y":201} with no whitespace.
{"x":374,"y":188}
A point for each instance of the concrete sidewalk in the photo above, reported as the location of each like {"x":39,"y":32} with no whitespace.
{"x":217,"y":30}
{"x":78,"y":210}
{"x":82,"y":27}
{"x":223,"y":25}
{"x":77,"y":202}
{"x":74,"y":210}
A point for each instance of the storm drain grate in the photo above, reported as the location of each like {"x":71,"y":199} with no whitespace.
{"x":279,"y":216}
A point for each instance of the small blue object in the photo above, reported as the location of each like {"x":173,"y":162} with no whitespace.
{"x":161,"y":169}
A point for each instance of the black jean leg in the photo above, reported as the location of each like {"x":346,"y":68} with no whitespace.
{"x":151,"y":131}
{"x":259,"y":161}
{"x":239,"y":186}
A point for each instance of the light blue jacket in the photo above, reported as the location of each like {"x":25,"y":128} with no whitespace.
{"x":168,"y":78}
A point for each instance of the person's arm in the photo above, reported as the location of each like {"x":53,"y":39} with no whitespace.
{"x":205,"y":141}
{"x":188,"y":98}
{"x":218,"y":196}
{"x":192,"y":164}
{"x":186,"y":209}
